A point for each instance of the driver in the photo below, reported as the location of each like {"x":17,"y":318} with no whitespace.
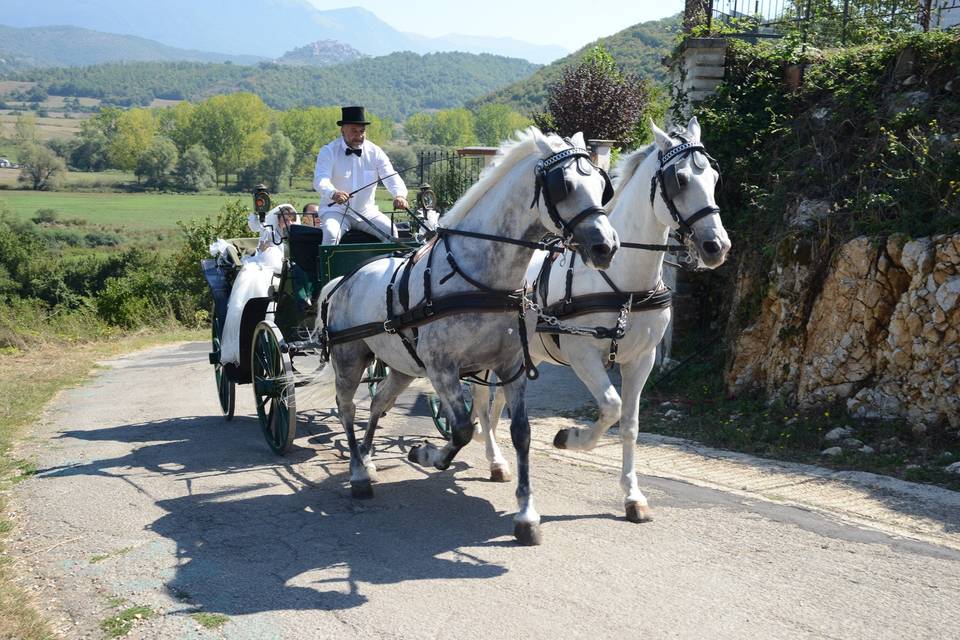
{"x":346,"y":165}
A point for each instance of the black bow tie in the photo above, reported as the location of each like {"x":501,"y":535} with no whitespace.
{"x":355,"y":152}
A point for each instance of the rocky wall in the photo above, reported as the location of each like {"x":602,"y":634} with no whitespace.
{"x":876,"y":327}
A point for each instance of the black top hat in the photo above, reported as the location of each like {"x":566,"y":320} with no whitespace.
{"x":352,"y":115}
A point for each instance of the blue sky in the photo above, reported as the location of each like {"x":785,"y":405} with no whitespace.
{"x":568,"y":23}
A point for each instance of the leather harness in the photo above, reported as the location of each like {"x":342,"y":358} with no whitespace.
{"x":548,"y":175}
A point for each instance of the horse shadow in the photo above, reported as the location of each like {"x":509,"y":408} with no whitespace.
{"x":253,"y":533}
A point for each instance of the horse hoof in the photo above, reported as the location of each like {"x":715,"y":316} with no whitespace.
{"x":500,"y":474}
{"x":361,"y":490}
{"x":527,"y":533}
{"x":560,"y":440}
{"x":414,"y":455}
{"x":637,"y":512}
{"x":372,"y":473}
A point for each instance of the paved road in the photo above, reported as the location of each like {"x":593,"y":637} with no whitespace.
{"x":144,"y":493}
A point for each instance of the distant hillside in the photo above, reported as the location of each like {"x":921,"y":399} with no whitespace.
{"x":262,"y":27}
{"x":322,"y":53}
{"x":73,"y":46}
{"x":393,"y":86}
{"x":638,"y":50}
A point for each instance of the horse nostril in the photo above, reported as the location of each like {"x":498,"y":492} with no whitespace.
{"x":711,"y":246}
{"x":601,"y":249}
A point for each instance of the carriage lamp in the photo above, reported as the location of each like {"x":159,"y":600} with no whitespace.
{"x":427,"y":198}
{"x":261,"y":200}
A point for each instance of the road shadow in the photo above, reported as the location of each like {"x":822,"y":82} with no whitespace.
{"x":253,"y":533}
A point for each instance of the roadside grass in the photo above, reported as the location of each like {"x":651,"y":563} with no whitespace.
{"x":29,"y":379}
{"x":210,"y":620}
{"x":100,"y":557}
{"x":120,"y":624}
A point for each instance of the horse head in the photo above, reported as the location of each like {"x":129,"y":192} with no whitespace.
{"x":574,"y":192}
{"x":685,"y":180}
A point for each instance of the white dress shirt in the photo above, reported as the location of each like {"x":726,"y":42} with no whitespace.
{"x":338,"y":171}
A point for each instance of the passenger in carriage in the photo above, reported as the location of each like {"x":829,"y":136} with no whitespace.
{"x":344,"y":167}
{"x":256,"y":274}
{"x":310,"y":215}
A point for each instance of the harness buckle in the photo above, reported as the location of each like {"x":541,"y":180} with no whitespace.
{"x":389,"y":326}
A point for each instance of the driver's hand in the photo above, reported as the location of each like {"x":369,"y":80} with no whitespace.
{"x":400,"y":203}
{"x":340,"y":197}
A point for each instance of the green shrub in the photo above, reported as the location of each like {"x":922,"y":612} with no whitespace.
{"x":45,"y":216}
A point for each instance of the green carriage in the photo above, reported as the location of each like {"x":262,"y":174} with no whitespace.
{"x":279,"y":345}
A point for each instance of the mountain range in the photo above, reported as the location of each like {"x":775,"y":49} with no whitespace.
{"x":260,"y":28}
{"x":60,"y":46}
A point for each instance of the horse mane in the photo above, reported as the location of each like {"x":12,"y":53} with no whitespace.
{"x":626,"y":168}
{"x":508,"y":156}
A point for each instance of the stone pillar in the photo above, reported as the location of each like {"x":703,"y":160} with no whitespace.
{"x":600,"y":152}
{"x":699,"y":69}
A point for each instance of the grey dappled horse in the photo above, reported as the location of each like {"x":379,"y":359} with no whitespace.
{"x":642,"y":214}
{"x":499,"y":204}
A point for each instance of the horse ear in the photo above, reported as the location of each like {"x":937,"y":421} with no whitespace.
{"x":578,"y":140}
{"x":693,"y":128}
{"x":541,"y":139}
{"x":659,"y":136}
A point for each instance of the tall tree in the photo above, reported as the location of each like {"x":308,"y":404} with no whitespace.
{"x":497,"y":122}
{"x":453,"y":128}
{"x":25,"y":129}
{"x":135,"y":130}
{"x":176,"y":123}
{"x":92,"y":150}
{"x":195,"y":170}
{"x":596,"y":98}
{"x":157,"y":162}
{"x":233,"y":128}
{"x":42,"y":168}
{"x":278,"y":155}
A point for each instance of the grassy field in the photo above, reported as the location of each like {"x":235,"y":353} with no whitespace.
{"x":140,"y":211}
{"x":47,"y":128}
{"x":128,"y":210}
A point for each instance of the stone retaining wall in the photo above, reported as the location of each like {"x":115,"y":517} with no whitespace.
{"x":878,"y":329}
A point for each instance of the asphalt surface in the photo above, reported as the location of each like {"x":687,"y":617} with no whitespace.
{"x":144,"y":495}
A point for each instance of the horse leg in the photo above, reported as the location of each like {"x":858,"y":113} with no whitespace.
{"x":526,"y":524}
{"x":634,"y":377}
{"x":387,"y":392}
{"x":350,"y":366}
{"x":446,"y":383}
{"x":590,"y":368}
{"x":489,"y":418}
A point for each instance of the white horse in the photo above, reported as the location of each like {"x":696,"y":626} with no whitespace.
{"x":683,"y":199}
{"x":463,"y":312}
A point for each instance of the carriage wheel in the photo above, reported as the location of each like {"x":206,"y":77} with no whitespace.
{"x":273,"y":387}
{"x":440,"y":419}
{"x":376,"y":372}
{"x":226,"y":388}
